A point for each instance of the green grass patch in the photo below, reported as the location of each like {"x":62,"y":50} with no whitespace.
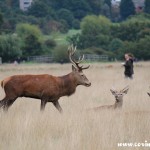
{"x":60,"y":38}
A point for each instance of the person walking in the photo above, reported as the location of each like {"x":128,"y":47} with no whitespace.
{"x":128,"y":66}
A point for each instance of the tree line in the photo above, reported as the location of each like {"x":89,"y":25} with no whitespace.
{"x":101,"y":36}
{"x":103,"y":30}
{"x":58,"y":15}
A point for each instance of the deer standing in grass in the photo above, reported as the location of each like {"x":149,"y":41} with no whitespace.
{"x":45,"y":87}
{"x":119,"y":100}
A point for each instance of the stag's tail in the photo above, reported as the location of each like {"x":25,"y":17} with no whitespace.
{"x":2,"y":84}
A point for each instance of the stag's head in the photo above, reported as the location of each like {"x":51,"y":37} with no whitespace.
{"x":119,"y":94}
{"x":76,"y":69}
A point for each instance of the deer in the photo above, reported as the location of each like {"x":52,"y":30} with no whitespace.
{"x":45,"y":87}
{"x":118,"y":97}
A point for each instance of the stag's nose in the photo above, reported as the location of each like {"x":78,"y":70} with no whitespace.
{"x":88,"y":84}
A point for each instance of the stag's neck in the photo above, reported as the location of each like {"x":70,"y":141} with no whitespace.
{"x":68,"y":85}
{"x":118,"y":104}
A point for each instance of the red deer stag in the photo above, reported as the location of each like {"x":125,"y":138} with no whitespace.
{"x":45,"y":87}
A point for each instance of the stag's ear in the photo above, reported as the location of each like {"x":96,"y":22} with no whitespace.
{"x":125,"y":91}
{"x":74,"y":69}
{"x":113,"y":92}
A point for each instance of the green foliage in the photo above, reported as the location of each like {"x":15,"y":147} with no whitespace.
{"x":115,"y":44}
{"x":1,"y":20}
{"x":60,"y":54}
{"x":95,"y":5}
{"x":108,"y":2}
{"x":147,"y":6}
{"x":66,"y":15}
{"x":97,"y":50}
{"x":40,"y":9}
{"x":9,"y":47}
{"x":131,"y":30}
{"x":139,"y":49}
{"x":76,"y":24}
{"x":95,"y":31}
{"x":126,"y":8}
{"x":24,"y":29}
{"x":50,"y":43}
{"x":142,"y":48}
{"x":74,"y":39}
{"x":42,"y":12}
{"x":32,"y":46}
{"x":106,"y":10}
{"x":32,"y":41}
{"x":129,"y":36}
{"x":30,"y":36}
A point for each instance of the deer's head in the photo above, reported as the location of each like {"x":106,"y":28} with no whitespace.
{"x":76,"y":69}
{"x":119,"y":94}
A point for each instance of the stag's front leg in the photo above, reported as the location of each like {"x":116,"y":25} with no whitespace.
{"x":56,"y":104}
{"x":43,"y":104}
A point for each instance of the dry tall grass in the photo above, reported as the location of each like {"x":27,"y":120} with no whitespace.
{"x":25,"y":128}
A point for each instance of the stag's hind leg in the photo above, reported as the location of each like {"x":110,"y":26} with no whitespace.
{"x":6,"y":103}
{"x":3,"y":102}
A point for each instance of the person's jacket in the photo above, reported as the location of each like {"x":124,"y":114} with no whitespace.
{"x":128,"y":67}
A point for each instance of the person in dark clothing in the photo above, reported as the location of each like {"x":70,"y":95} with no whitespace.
{"x":128,"y":66}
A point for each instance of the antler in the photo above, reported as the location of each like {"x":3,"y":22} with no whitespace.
{"x":71,"y":51}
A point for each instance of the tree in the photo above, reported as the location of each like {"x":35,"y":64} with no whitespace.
{"x":131,"y":30}
{"x":40,"y":9}
{"x":9,"y":47}
{"x":95,"y":6}
{"x":147,"y":6}
{"x":32,"y":46}
{"x":31,"y":37}
{"x":126,"y":8}
{"x":1,"y":20}
{"x":108,"y":2}
{"x":106,"y":10}
{"x":95,"y":31}
{"x":24,"y":29}
{"x":60,"y":54}
{"x":66,"y":15}
{"x":115,"y":44}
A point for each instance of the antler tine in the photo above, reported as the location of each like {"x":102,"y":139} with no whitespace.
{"x":73,"y":49}
{"x":71,"y":52}
{"x":86,"y":67}
{"x":80,"y":59}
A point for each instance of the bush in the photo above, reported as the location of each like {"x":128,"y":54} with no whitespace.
{"x":50,"y":43}
{"x":60,"y":54}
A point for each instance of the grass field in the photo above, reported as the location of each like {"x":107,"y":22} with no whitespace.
{"x":24,"y":127}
